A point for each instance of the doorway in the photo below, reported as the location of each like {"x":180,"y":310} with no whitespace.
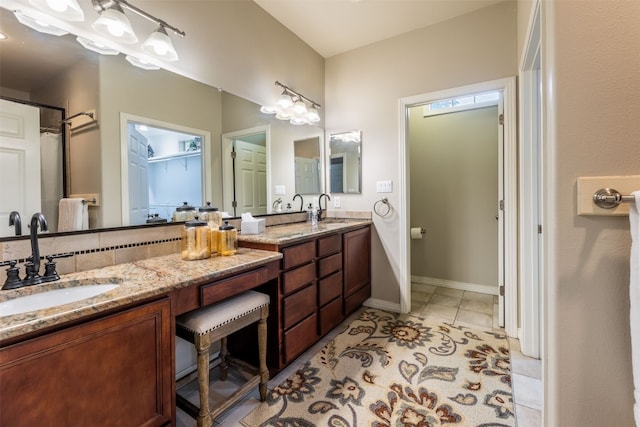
{"x":163,"y":166}
{"x":505,"y":204}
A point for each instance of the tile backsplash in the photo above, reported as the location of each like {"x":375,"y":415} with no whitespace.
{"x":109,"y":247}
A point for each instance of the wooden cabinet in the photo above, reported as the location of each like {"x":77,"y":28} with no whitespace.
{"x":357,"y":268}
{"x":113,"y":371}
{"x":322,"y":279}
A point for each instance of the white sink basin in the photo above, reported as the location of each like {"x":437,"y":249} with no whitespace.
{"x":52,"y":298}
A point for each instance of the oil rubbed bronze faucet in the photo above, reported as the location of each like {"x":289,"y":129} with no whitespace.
{"x":320,"y":205}
{"x":14,"y":221}
{"x":301,"y":201}
{"x":33,"y":266}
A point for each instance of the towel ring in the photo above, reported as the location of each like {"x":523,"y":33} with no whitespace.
{"x":385,"y":202}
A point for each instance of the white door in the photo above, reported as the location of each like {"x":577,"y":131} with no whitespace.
{"x":250,"y":178}
{"x":19,"y":163}
{"x":138,"y":177}
{"x":307,"y":175}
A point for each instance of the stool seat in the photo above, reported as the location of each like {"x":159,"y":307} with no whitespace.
{"x":206,"y":325}
{"x":206,"y":319}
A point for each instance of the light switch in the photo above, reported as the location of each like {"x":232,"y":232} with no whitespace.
{"x":384,"y":186}
{"x":280,"y":189}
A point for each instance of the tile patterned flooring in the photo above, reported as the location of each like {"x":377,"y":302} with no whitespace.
{"x":465,"y":308}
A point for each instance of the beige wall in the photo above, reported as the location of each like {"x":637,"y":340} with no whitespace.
{"x":591,"y":70}
{"x":363,"y":88}
{"x":453,"y":165}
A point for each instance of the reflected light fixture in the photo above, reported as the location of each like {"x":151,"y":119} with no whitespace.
{"x":159,"y":44}
{"x":97,"y":46}
{"x":38,"y":24}
{"x":293,"y":106}
{"x":68,"y":10}
{"x":141,"y":63}
{"x":113,"y":22}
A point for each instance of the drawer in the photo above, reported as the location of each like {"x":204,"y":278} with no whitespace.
{"x":329,"y":288}
{"x":329,"y":265}
{"x":295,"y":279}
{"x":298,"y":254}
{"x":300,"y":337}
{"x":226,"y":288}
{"x":355,"y":300}
{"x":299,"y":305}
{"x":330,"y":316}
{"x":329,"y":245}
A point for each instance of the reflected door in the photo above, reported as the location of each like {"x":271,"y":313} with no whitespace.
{"x":250,"y":178}
{"x":138,"y":177}
{"x":19,"y":163}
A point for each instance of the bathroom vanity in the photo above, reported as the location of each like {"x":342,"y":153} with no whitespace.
{"x":110,"y":359}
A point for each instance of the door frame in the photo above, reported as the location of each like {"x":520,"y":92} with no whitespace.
{"x":510,"y":191}
{"x":531,"y":185}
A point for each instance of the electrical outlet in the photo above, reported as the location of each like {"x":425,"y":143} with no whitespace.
{"x":336,"y":201}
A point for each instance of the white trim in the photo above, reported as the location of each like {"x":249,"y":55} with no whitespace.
{"x":382,"y":305}
{"x":205,"y":148}
{"x":531,"y":264}
{"x":453,"y":284}
{"x":508,"y":87}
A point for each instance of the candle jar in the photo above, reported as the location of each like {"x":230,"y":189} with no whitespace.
{"x":212,"y":216}
{"x":227,"y":239}
{"x":195,"y":240}
{"x":184,"y":213}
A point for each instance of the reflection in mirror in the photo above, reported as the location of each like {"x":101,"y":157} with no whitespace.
{"x":86,"y":81}
{"x":345,"y":162}
{"x":307,"y":165}
{"x":164,"y":169}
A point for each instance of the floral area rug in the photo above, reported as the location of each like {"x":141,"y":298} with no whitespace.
{"x":389,"y":369}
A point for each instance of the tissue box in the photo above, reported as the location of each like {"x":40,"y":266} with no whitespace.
{"x":252,"y":227}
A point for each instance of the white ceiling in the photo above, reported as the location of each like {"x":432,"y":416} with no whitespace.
{"x":332,"y":27}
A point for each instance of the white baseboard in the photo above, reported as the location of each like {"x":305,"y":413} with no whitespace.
{"x":463,"y":286}
{"x":382,"y":305}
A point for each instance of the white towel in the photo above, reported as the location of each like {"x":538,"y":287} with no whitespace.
{"x":634,"y":296}
{"x":73,"y":214}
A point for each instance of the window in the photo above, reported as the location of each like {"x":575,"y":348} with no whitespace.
{"x":461,"y":103}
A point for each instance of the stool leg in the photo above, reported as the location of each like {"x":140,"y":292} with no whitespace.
{"x":262,"y":353}
{"x":224,"y":365}
{"x":202,"y":344}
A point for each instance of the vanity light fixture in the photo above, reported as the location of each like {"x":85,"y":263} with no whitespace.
{"x":68,"y":10}
{"x":38,"y":24}
{"x":293,"y":106}
{"x":159,"y":44}
{"x":113,"y":22}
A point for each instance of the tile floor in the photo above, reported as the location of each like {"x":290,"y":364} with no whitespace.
{"x":450,"y":305}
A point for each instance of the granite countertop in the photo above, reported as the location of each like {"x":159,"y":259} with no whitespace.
{"x":137,"y":281}
{"x":294,"y":232}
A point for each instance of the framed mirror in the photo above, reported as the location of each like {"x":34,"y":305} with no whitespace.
{"x":308,"y":165}
{"x":93,"y":153}
{"x":345,"y":162}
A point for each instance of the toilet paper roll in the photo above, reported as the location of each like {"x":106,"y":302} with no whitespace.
{"x":416,"y":233}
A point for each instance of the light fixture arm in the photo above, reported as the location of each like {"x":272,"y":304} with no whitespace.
{"x":291,"y":91}
{"x":102,"y":5}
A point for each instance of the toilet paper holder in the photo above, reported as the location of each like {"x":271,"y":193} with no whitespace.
{"x":414,"y":232}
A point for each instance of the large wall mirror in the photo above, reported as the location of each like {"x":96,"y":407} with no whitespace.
{"x":345,"y":162}
{"x":95,"y":159}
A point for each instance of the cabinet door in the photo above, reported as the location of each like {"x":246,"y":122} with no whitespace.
{"x":357,"y":260}
{"x":113,"y":371}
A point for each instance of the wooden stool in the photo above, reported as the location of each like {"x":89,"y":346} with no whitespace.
{"x":206,"y":325}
